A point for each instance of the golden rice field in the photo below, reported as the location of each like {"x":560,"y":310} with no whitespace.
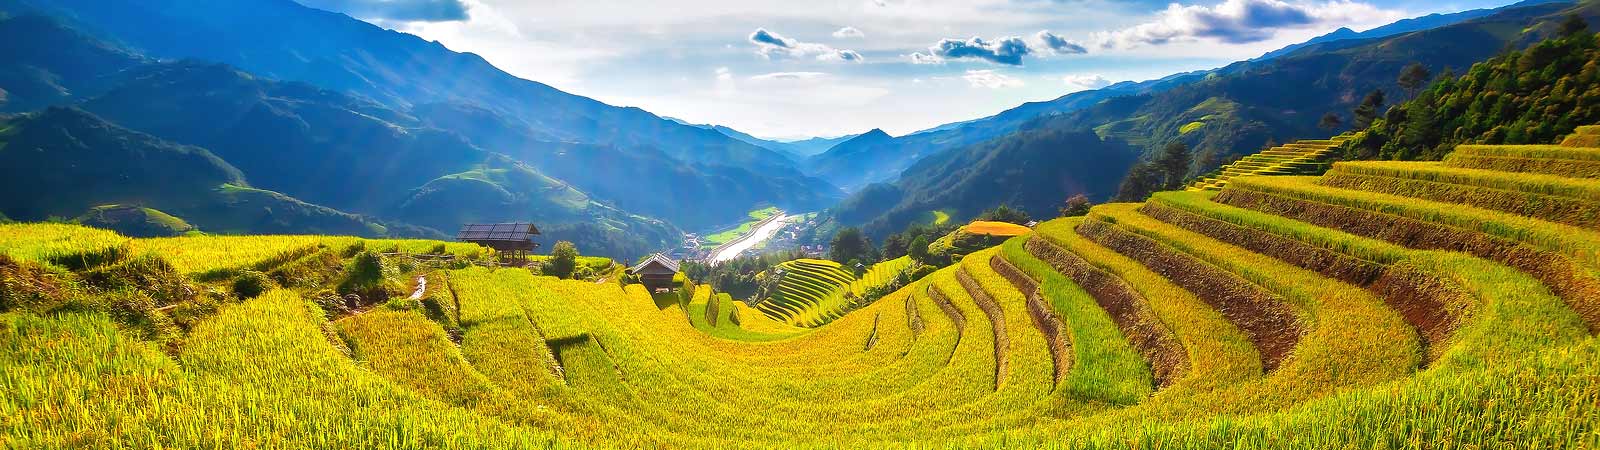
{"x":813,"y":292}
{"x":1384,"y":305}
{"x":995,"y":228}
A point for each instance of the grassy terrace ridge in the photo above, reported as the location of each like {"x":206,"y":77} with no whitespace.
{"x":1552,"y":185}
{"x":1299,"y":158}
{"x":813,"y":292}
{"x":1278,"y":312}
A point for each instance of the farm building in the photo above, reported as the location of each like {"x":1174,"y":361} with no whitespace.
{"x":656,"y":272}
{"x":510,"y":240}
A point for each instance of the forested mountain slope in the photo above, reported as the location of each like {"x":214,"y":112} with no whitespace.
{"x":1230,"y":111}
{"x":282,"y":40}
{"x":63,"y":162}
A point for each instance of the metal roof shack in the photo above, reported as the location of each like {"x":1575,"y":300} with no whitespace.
{"x":510,"y":239}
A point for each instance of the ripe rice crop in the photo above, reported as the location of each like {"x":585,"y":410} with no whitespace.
{"x":1001,"y":229}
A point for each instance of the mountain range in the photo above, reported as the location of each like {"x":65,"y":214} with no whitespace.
{"x":1220,"y":114}
{"x":302,"y":100}
{"x":266,"y":116}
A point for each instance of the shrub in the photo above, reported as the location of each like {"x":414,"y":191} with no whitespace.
{"x":365,"y":278}
{"x":563,"y":260}
{"x":251,"y":284}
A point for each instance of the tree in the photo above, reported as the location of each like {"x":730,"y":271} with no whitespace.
{"x":1413,"y":77}
{"x":1367,"y":111}
{"x":850,"y":244}
{"x":1330,"y":121}
{"x":895,"y":245}
{"x":1142,"y":180}
{"x":563,"y":260}
{"x":1574,"y":25}
{"x":1173,"y":164}
{"x":1005,"y":213}
{"x":919,"y":249}
{"x":1076,"y":206}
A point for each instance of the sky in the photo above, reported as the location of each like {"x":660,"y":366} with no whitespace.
{"x":789,"y":69}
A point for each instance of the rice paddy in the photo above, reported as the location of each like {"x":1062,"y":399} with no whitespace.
{"x":1384,"y":305}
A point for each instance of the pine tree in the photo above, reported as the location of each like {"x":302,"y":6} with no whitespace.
{"x":1173,"y":163}
{"x":1413,"y":77}
{"x":1142,"y":180}
{"x":1368,"y":110}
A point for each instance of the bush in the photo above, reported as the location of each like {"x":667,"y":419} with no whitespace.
{"x":563,"y":260}
{"x":365,"y":277}
{"x":251,"y":284}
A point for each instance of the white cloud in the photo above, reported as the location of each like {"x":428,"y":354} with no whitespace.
{"x":849,"y":32}
{"x":990,"y":79}
{"x":1085,"y":82}
{"x":772,"y":46}
{"x":1239,"y":21}
{"x":1057,"y":44}
{"x":723,"y":74}
{"x":788,"y":76}
{"x":1007,"y":50}
{"x":919,"y":58}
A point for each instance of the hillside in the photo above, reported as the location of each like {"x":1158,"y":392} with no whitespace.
{"x":58,"y":64}
{"x":1280,"y":312}
{"x":1035,"y":169}
{"x":1532,"y":96}
{"x":64,"y":162}
{"x":283,"y":40}
{"x":881,"y":160}
{"x":1228,"y":112}
{"x":258,"y":112}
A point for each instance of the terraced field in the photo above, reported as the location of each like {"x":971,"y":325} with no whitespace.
{"x":1305,"y":157}
{"x":1384,"y":305}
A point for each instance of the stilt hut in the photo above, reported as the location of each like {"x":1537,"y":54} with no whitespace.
{"x":513,"y":241}
{"x":656,"y":272}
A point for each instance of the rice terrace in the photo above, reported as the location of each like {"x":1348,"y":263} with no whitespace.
{"x":282,"y":224}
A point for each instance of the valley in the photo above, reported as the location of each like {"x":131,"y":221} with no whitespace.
{"x":755,"y":235}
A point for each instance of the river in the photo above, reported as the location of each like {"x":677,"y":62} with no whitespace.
{"x":749,"y":241}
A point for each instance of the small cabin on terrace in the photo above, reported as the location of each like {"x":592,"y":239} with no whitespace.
{"x":656,"y":272}
{"x":511,"y":240}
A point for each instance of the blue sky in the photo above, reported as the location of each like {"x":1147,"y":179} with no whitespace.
{"x":791,"y":69}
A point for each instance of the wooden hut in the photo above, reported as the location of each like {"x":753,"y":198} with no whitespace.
{"x":656,"y":272}
{"x":510,"y":240}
